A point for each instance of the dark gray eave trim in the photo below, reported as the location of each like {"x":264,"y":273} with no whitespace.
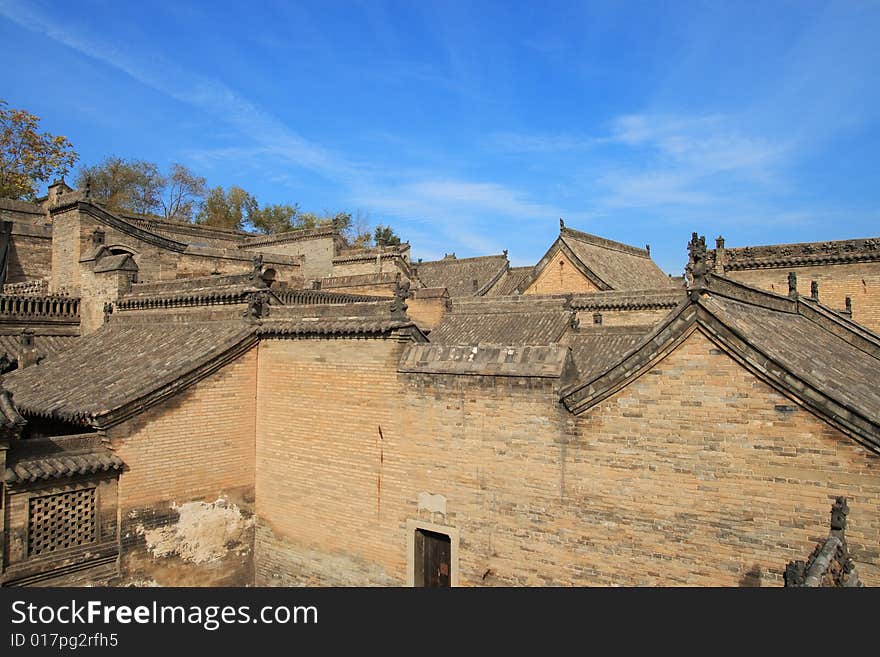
{"x":493,"y":280}
{"x":678,"y":327}
{"x":844,"y":328}
{"x":106,"y":419}
{"x":122,"y":225}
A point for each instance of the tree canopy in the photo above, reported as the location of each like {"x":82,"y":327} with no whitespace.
{"x":385,"y":235}
{"x":138,"y":186}
{"x":28,"y":157}
{"x":226,"y":208}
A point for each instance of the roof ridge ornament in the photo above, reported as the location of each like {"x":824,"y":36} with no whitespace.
{"x":401,"y":294}
{"x":792,"y":285}
{"x":697,"y":264}
{"x":12,"y":424}
{"x":258,"y":306}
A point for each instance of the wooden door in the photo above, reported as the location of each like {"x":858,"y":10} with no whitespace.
{"x":433,"y":559}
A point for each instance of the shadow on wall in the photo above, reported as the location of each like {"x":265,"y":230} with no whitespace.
{"x":752,"y":578}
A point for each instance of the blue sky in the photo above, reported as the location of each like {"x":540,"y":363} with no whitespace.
{"x":472,"y":127}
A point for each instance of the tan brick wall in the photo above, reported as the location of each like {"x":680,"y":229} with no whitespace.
{"x":98,"y":289}
{"x":624,"y":317}
{"x":66,"y":252}
{"x":197,"y":446}
{"x":187,"y":265}
{"x":699,"y":473}
{"x":72,"y":239}
{"x":320,"y":406}
{"x":860,"y":281}
{"x":426,"y":313}
{"x":358,"y":267}
{"x":30,"y":255}
{"x":560,"y":277}
{"x":318,"y":254}
{"x":695,"y":474}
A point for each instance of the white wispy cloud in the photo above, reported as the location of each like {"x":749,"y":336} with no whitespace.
{"x":208,"y":95}
{"x":457,"y":207}
{"x":707,"y":144}
{"x":464,"y":211}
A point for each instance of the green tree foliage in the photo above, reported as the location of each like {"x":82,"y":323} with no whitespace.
{"x":385,"y":235}
{"x":128,"y":185}
{"x":227,"y":208}
{"x":28,"y":157}
{"x":274,"y":218}
{"x":138,"y":186}
{"x":182,"y":194}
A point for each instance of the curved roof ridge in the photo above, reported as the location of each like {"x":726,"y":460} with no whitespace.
{"x":831,"y":378}
{"x":603,"y":242}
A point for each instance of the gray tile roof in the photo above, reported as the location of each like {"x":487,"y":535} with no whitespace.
{"x":510,"y":281}
{"x":621,"y":266}
{"x":807,"y":350}
{"x":118,"y":365}
{"x":668,"y":297}
{"x":46,"y":345}
{"x":594,"y":350}
{"x":471,"y":328}
{"x":463,"y":277}
{"x":772,"y":256}
{"x":63,"y":456}
{"x":820,"y":358}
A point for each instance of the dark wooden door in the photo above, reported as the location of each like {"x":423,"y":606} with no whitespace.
{"x":433,"y":558}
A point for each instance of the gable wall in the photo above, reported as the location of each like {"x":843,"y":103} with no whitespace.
{"x":196,"y":447}
{"x":560,"y":276}
{"x":698,"y":473}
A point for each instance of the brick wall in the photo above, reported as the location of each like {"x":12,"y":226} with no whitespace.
{"x":369,"y":266}
{"x":860,"y":281}
{"x":30,"y":254}
{"x":196,"y":447}
{"x":427,"y":313}
{"x":559,"y":277}
{"x":98,"y":289}
{"x":697,"y":473}
{"x":66,"y":252}
{"x":72,"y":239}
{"x":382,"y":290}
{"x":318,"y":254}
{"x":624,"y":317}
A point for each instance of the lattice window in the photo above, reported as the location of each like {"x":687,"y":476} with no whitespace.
{"x":61,"y":521}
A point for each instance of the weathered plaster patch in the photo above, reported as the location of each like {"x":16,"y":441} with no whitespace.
{"x":432,"y":503}
{"x":205,"y":531}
